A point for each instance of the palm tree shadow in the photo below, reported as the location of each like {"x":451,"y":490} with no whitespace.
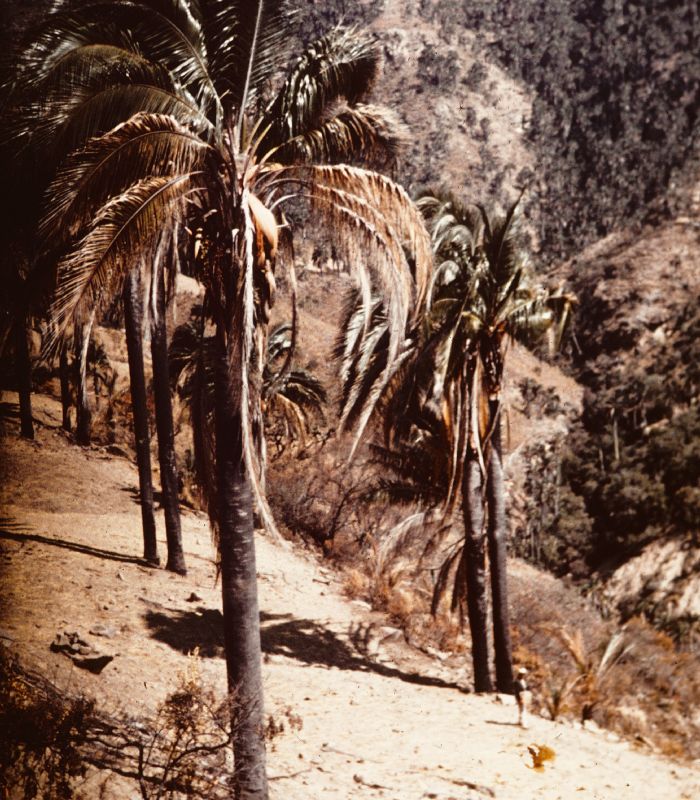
{"x":14,"y":531}
{"x":304,"y":640}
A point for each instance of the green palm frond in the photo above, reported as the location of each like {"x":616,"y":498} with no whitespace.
{"x":165,"y":25}
{"x":72,"y":114}
{"x":297,"y":386}
{"x":248,"y":42}
{"x":161,"y":32}
{"x":342,"y":65}
{"x":368,"y":133}
{"x":362,"y":352}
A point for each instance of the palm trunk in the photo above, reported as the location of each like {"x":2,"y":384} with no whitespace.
{"x":166,"y":433}
{"x":24,"y":379}
{"x":239,"y":590}
{"x":473,"y":510}
{"x":83,"y":423}
{"x":64,"y":376}
{"x":497,"y":537}
{"x":134,"y":344}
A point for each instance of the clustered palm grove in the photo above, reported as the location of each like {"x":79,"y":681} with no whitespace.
{"x":146,"y":137}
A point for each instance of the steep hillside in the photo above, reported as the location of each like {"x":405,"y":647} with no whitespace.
{"x":354,"y":711}
{"x":465,"y":116}
{"x":593,"y":104}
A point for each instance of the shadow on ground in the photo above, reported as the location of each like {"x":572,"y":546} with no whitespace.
{"x":9,"y":410}
{"x":303,"y":640}
{"x":13,"y":531}
{"x":135,"y":495}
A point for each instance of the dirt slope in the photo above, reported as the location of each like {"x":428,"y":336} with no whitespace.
{"x":379,"y":718}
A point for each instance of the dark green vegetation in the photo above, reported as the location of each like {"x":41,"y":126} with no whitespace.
{"x":629,"y":473}
{"x":616,"y":87}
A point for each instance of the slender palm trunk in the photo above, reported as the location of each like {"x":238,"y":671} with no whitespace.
{"x":473,"y":510}
{"x":83,"y":423}
{"x":239,"y":590}
{"x":24,"y":379}
{"x":498,"y":556}
{"x":133,"y":315}
{"x":64,"y":377}
{"x":166,"y":433}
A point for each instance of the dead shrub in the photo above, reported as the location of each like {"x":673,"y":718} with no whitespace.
{"x":48,"y":739}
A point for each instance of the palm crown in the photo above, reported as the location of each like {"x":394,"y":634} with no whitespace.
{"x":169,"y":107}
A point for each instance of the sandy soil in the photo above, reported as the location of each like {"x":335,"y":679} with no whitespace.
{"x":380,"y":719}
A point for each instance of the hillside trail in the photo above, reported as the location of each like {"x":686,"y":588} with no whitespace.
{"x":378,"y":718}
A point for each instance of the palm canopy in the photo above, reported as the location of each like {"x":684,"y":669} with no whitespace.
{"x":165,"y":108}
{"x":483,"y":294}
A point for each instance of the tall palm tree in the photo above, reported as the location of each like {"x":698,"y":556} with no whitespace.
{"x":447,"y":398}
{"x":205,"y":151}
{"x":485,"y":295}
{"x":169,"y":479}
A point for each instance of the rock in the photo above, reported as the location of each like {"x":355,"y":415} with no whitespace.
{"x":435,"y":653}
{"x":81,"y":652}
{"x":94,"y":664}
{"x":115,"y":450}
{"x":106,"y":631}
{"x":194,"y":598}
{"x":389,"y":634}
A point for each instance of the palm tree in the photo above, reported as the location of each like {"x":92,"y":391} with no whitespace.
{"x":169,"y":480}
{"x":205,"y":151}
{"x":448,"y":397}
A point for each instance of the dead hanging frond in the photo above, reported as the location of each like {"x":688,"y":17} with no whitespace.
{"x":389,"y":249}
{"x":127,"y":227}
{"x":452,"y":572}
{"x":399,"y":212}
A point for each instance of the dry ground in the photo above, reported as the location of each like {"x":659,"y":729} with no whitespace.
{"x":380,"y":720}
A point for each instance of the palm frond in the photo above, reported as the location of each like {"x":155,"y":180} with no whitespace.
{"x":248,"y":41}
{"x":71,"y":115}
{"x":146,"y":145}
{"x":342,"y":65}
{"x":129,"y":224}
{"x":368,"y":133}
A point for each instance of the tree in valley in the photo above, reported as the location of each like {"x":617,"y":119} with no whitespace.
{"x":205,"y":151}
